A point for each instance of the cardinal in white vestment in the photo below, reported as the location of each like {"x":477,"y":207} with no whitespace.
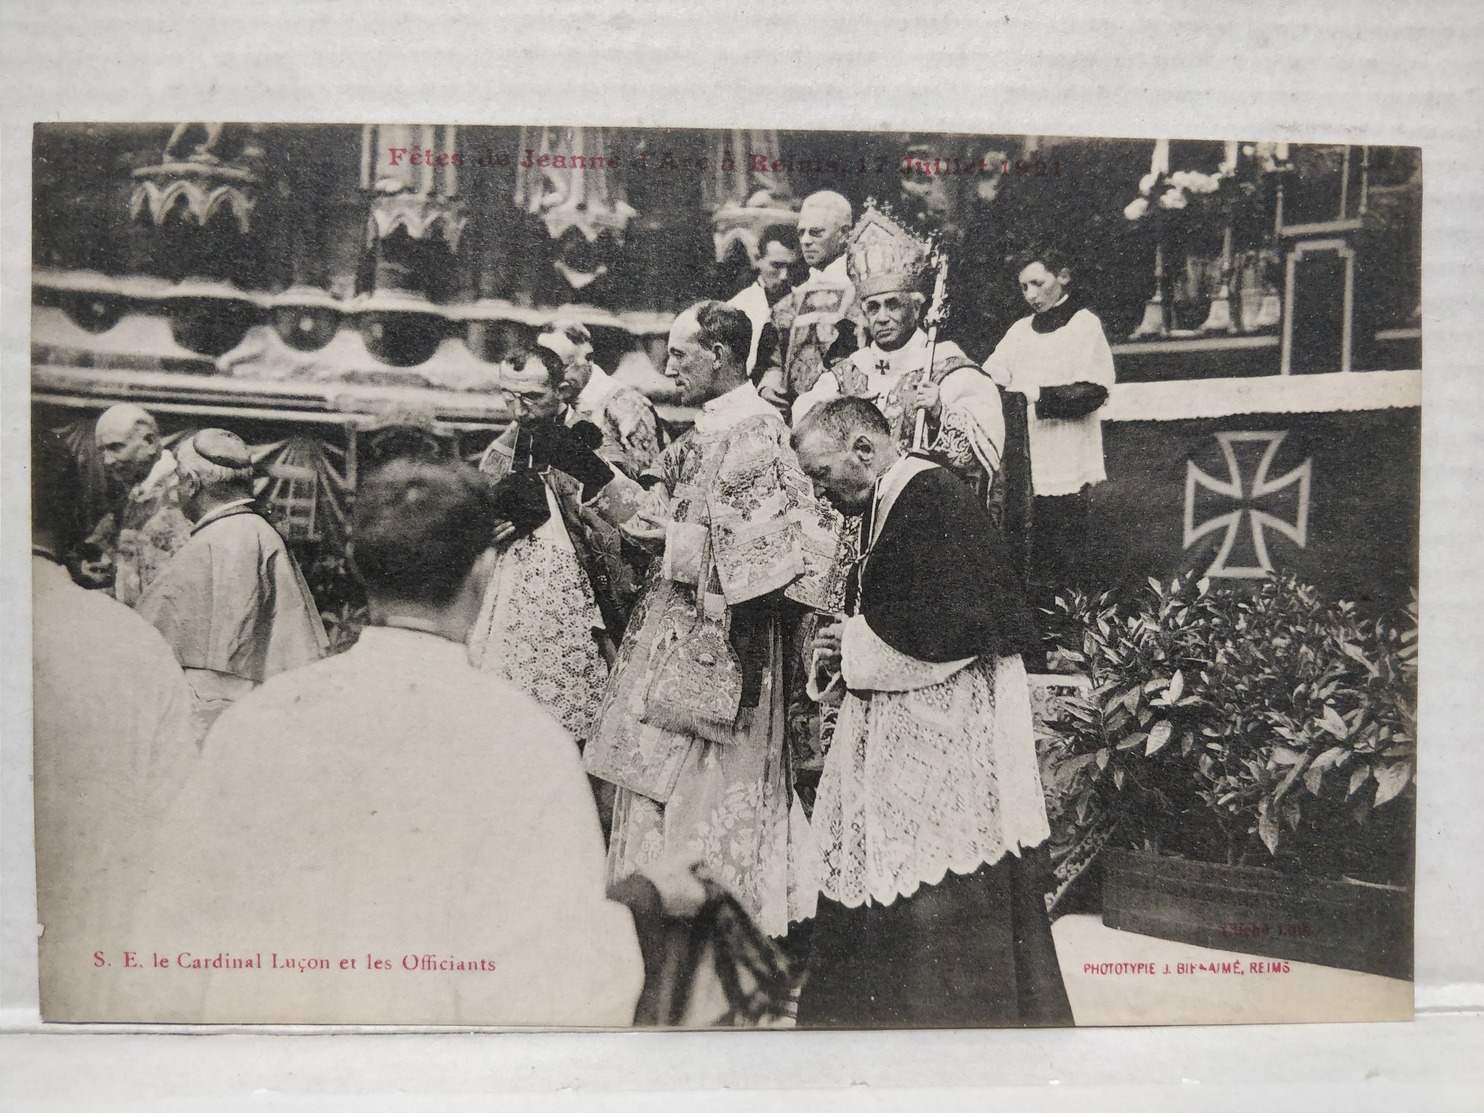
{"x":691,"y":725}
{"x":232,"y":603}
{"x":930,"y":816}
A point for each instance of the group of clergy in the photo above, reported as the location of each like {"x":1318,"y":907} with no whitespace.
{"x":600,"y":599}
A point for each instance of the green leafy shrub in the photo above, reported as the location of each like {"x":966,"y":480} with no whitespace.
{"x":1246,"y":724}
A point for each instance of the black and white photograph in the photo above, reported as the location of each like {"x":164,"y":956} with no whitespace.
{"x":589,"y":576}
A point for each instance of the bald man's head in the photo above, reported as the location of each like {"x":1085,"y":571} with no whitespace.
{"x":824,"y":224}
{"x":128,"y":441}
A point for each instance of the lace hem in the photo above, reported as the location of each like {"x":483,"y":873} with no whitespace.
{"x":922,"y":782}
{"x":535,"y":628}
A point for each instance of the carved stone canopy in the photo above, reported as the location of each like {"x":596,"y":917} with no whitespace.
{"x":206,"y":169}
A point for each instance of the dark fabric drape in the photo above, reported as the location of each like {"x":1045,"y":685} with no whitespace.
{"x":972,"y":951}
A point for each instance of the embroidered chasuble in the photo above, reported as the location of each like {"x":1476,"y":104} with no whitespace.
{"x":818,"y":322}
{"x":144,"y":530}
{"x":630,"y":427}
{"x":744,"y":534}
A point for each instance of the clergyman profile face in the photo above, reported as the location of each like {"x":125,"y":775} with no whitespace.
{"x":891,"y":318}
{"x":1041,"y":287}
{"x":823,"y":230}
{"x":693,"y":366}
{"x":842,"y":472}
{"x":129,"y":445}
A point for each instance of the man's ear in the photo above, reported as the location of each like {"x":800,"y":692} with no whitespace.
{"x":863,"y":447}
{"x":1064,"y":277}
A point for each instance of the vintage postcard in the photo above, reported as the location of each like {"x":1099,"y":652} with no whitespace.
{"x":580,"y":577}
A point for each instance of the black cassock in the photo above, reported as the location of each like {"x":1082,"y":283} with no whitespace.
{"x":975,"y":949}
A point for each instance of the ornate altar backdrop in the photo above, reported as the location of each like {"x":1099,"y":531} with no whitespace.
{"x":329,"y":291}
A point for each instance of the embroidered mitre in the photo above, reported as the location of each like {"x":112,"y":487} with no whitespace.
{"x":882,"y":255}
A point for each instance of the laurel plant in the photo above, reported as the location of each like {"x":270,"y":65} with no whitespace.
{"x":1251,"y":724}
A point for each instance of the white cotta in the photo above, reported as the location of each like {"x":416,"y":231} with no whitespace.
{"x":1065,"y":453}
{"x":932,"y":770}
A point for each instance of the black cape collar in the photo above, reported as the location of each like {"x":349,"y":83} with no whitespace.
{"x":1045,"y":321}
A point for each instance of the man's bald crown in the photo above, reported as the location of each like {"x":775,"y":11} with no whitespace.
{"x":835,"y":206}
{"x":223,"y":448}
{"x":124,"y":419}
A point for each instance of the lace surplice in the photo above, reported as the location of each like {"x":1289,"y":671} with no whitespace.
{"x":932,"y":769}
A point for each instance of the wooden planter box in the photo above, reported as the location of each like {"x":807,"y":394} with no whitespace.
{"x":1259,"y":911}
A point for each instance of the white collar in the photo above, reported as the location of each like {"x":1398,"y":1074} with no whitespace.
{"x":731,"y":407}
{"x":221,"y":511}
{"x":744,"y":395}
{"x":598,"y":388}
{"x":411,"y":644}
{"x":918,"y":341}
{"x":835,"y":270}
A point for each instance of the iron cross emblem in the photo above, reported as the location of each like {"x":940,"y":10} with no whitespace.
{"x":1256,"y":495}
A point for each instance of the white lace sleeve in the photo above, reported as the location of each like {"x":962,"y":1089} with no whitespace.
{"x":868,"y":662}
